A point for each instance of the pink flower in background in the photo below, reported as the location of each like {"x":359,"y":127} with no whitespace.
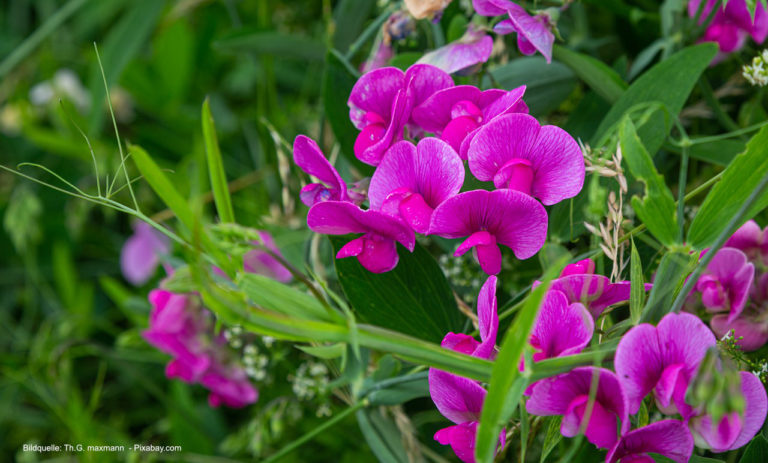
{"x":662,"y":359}
{"x":412,"y":181}
{"x":515,"y":152}
{"x":669,"y":438}
{"x":261,"y":262}
{"x":734,"y":430}
{"x":141,"y":253}
{"x":579,"y":283}
{"x":561,"y":327}
{"x":381,"y":103}
{"x":488,"y":321}
{"x":752,"y":241}
{"x":725,"y":284}
{"x":751,"y":326}
{"x":732,"y":25}
{"x":457,"y":113}
{"x":474,"y":47}
{"x":533,"y":32}
{"x":308,"y":156}
{"x":182,"y":328}
{"x":376,"y":250}
{"x":568,"y":395}
{"x":491,"y":218}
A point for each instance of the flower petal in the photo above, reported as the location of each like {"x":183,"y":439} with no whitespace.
{"x":670,"y":438}
{"x":308,"y":156}
{"x":460,"y":54}
{"x":341,"y":218}
{"x":435,"y":112}
{"x":533,"y":29}
{"x":753,"y":334}
{"x":458,"y":399}
{"x":487,"y":317}
{"x":374,"y":92}
{"x":561,"y":328}
{"x":461,"y":438}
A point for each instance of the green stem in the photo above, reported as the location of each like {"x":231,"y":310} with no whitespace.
{"x":311,"y":434}
{"x":709,"y":96}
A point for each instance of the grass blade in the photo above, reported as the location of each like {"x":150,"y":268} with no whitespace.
{"x":216,"y":167}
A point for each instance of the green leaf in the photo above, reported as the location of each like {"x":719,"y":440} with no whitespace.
{"x":670,"y":276}
{"x":700,"y":459}
{"x":666,"y":84}
{"x":216,"y":167}
{"x":414,"y":298}
{"x":547,"y":85}
{"x":278,"y":44}
{"x":338,"y":80}
{"x":642,"y":415}
{"x":507,"y":384}
{"x":657,"y":209}
{"x":637,"y":292}
{"x":382,"y":436}
{"x":350,"y":16}
{"x":411,"y":387}
{"x":278,"y":297}
{"x":720,"y":152}
{"x":600,"y":78}
{"x":739,"y":180}
{"x":332,"y":351}
{"x":552,"y":437}
{"x":757,"y":451}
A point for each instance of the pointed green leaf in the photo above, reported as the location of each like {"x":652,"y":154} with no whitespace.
{"x":675,"y":266}
{"x":601,"y":78}
{"x":757,"y":451}
{"x":273,"y":295}
{"x":637,"y":293}
{"x":216,"y":167}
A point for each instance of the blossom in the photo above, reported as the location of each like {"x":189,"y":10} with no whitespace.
{"x":181,"y":327}
{"x":731,"y":25}
{"x":141,"y":253}
{"x":569,"y":395}
{"x":533,"y":32}
{"x":412,"y":181}
{"x":579,"y":284}
{"x":488,"y":321}
{"x":734,"y":430}
{"x":561,"y":328}
{"x":662,"y":359}
{"x":474,"y":47}
{"x":261,"y":262}
{"x":381,"y":103}
{"x":751,"y":240}
{"x":751,"y":326}
{"x":515,"y":152}
{"x":726,"y":282}
{"x":376,"y":250}
{"x":669,"y":438}
{"x":490,"y":218}
{"x":308,"y":156}
{"x":457,"y":113}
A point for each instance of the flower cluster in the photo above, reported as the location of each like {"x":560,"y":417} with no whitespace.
{"x":731,"y":25}
{"x":734,"y":288}
{"x":756,"y":72}
{"x":180,"y":326}
{"x":416,"y":187}
{"x":533,"y":32}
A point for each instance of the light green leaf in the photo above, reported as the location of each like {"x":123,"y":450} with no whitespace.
{"x":278,"y":44}
{"x":216,"y":167}
{"x":637,"y":292}
{"x":664,"y":84}
{"x":552,"y":437}
{"x":739,"y":180}
{"x":600,"y":78}
{"x":329,"y":352}
{"x":657,"y":208}
{"x":278,"y":297}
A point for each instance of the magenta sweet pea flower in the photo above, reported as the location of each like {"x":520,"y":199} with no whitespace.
{"x":412,"y":181}
{"x":308,"y":156}
{"x":669,"y":438}
{"x":181,"y":327}
{"x":596,"y":292}
{"x":457,"y":113}
{"x":731,"y":25}
{"x":376,"y":250}
{"x":750,"y":328}
{"x":488,"y":322}
{"x":381,"y":103}
{"x":752,"y":241}
{"x":474,"y":47}
{"x":261,"y":262}
{"x":515,"y":152}
{"x":141,"y":253}
{"x":568,"y":395}
{"x":662,"y":359}
{"x":734,"y":431}
{"x":491,"y":218}
{"x":725,"y":284}
{"x":533,"y":32}
{"x":561,"y":327}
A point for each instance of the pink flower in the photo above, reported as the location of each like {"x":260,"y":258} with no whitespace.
{"x":568,"y":395}
{"x":491,"y":218}
{"x":181,"y":327}
{"x":669,"y":438}
{"x":533,"y":32}
{"x":488,"y":321}
{"x":412,"y":181}
{"x":141,"y":253}
{"x":308,"y":156}
{"x":751,"y":326}
{"x":731,"y":25}
{"x":376,"y":250}
{"x":725,"y":284}
{"x":752,"y":241}
{"x":474,"y":47}
{"x":562,"y":327}
{"x":515,"y":152}
{"x":381,"y":103}
{"x":261,"y":262}
{"x":457,"y":113}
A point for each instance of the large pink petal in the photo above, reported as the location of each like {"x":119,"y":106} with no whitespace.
{"x":735,"y":275}
{"x":491,"y":7}
{"x":341,"y":218}
{"x":638,"y":363}
{"x":503,"y":139}
{"x":308,"y":156}
{"x":370,"y":151}
{"x":435,"y":112}
{"x":748,"y":237}
{"x":458,"y":399}
{"x":374,"y":92}
{"x":488,"y":318}
{"x":461,"y":438}
{"x":561,"y":328}
{"x":460,"y":54}
{"x":559,"y":165}
{"x":755,"y":408}
{"x":424,"y":80}
{"x":670,"y":438}
{"x":685,"y":339}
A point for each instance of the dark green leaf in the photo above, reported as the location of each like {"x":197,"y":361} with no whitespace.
{"x":401,"y":392}
{"x":657,"y":208}
{"x":552,"y":437}
{"x":601,"y":78}
{"x":382,"y":436}
{"x":414,"y":298}
{"x":739,"y":180}
{"x":548,"y":85}
{"x":216,"y":167}
{"x":273,"y":295}
{"x":664,"y":84}
{"x":719,"y":152}
{"x":350,"y":16}
{"x":670,"y":276}
{"x":757,"y":451}
{"x":278,"y":44}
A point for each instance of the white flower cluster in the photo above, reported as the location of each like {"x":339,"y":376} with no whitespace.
{"x":757,"y":72}
{"x":255,"y":363}
{"x":311,"y":379}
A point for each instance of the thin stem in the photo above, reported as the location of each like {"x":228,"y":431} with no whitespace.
{"x":370,"y":31}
